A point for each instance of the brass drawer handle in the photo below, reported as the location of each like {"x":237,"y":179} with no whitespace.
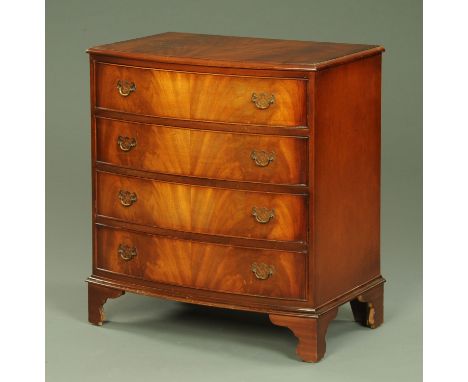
{"x":127,"y":198}
{"x":262,"y":271}
{"x":263,"y":215}
{"x":126,"y":252}
{"x":262,"y":158}
{"x":125,"y":87}
{"x":263,"y":100}
{"x":126,"y":143}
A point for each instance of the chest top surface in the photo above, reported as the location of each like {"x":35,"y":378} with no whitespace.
{"x":240,"y":52}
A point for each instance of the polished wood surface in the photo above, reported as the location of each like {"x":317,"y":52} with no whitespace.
{"x":290,"y":246}
{"x":158,"y":148}
{"x":202,"y":209}
{"x":206,"y":182}
{"x":238,"y":52}
{"x":309,"y":331}
{"x":201,"y":265}
{"x":219,"y":299}
{"x":239,"y":157}
{"x":215,"y":155}
{"x":159,"y":204}
{"x":227,"y":212}
{"x":347,"y":177}
{"x":97,"y":297}
{"x":284,"y":131}
{"x":206,"y":193}
{"x":202,"y":97}
{"x":257,"y":71}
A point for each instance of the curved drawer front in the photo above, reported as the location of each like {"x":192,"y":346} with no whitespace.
{"x":202,"y":209}
{"x":205,"y":97}
{"x":215,"y":155}
{"x":200,"y":265}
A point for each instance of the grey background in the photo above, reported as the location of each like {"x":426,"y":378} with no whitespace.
{"x":151,"y":339}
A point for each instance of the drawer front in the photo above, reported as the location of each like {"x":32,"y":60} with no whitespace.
{"x":143,"y":147}
{"x":204,"y":97}
{"x":201,"y":265}
{"x":216,"y":155}
{"x":202,"y":209}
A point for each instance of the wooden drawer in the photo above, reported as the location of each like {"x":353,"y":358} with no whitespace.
{"x":204,"y":97}
{"x":202,"y":209}
{"x":213,"y":267}
{"x":206,"y":154}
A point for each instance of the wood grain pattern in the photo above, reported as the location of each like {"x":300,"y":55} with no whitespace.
{"x":158,"y":148}
{"x":237,"y":52}
{"x":201,"y":96}
{"x":227,"y":212}
{"x":200,"y":265}
{"x":160,"y":204}
{"x":190,"y":152}
{"x":202,"y":209}
{"x":347,"y":177}
{"x":229,"y":156}
{"x":310,"y":332}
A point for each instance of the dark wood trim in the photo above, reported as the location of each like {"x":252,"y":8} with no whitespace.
{"x":289,"y":246}
{"x":215,"y":65}
{"x":358,"y":290}
{"x":92,"y":89}
{"x":280,"y":75}
{"x":350,"y":58}
{"x":247,"y":72}
{"x":97,"y":297}
{"x":204,"y":182}
{"x":218,"y":299}
{"x":311,"y":179}
{"x":309,"y":331}
{"x":198,"y":296}
{"x":285,"y":131}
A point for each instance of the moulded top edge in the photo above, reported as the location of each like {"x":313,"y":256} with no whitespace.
{"x":237,"y":52}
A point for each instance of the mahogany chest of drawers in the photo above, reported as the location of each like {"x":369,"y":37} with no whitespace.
{"x":241,"y":173}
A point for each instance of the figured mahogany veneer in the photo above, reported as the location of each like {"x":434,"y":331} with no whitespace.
{"x":173,"y":94}
{"x":241,"y":173}
{"x":202,"y":209}
{"x":201,"y":265}
{"x":206,"y":154}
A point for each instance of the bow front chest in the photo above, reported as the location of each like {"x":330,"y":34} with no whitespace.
{"x":241,"y":173}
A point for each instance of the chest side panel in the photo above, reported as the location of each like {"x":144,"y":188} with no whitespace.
{"x":347,"y":177}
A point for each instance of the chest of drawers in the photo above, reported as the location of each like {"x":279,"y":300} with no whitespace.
{"x":241,"y":173}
